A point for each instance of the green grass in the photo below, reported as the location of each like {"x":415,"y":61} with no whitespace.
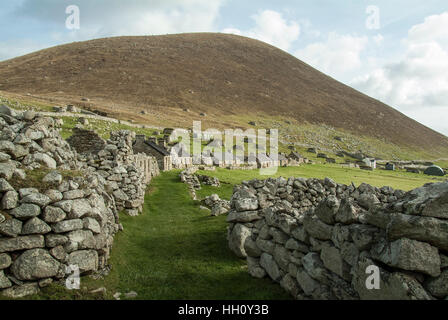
{"x":102,"y":127}
{"x":26,"y":105}
{"x":396,"y":179}
{"x":442,"y":163}
{"x":173,"y":250}
{"x":34,"y":178}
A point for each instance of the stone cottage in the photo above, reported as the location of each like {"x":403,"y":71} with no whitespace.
{"x":155,"y":148}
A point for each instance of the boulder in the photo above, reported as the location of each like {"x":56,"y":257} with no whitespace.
{"x":281,"y":256}
{"x":54,"y":195}
{"x":7,"y":111}
{"x":92,"y":225}
{"x":426,"y":229}
{"x":333,"y":261}
{"x":11,"y":228}
{"x":368,"y":201}
{"x":327,"y":209}
{"x":45,"y":160}
{"x":73,"y":194}
{"x":26,"y":211}
{"x":10,"y":200}
{"x":27,"y":191}
{"x":4,"y":281}
{"x":265,"y":245}
{"x":392,"y":286}
{"x":85,"y":260}
{"x":53,"y":214}
{"x":409,"y":255}
{"x":35,"y":264}
{"x":251,"y":248}
{"x":5,"y":186}
{"x":83,"y":238}
{"x":314,"y":267}
{"x":80,"y":208}
{"x":254,"y":268}
{"x":22,"y":243}
{"x":438,"y":286}
{"x":289,"y":283}
{"x":37,"y":198}
{"x":270,"y":266}
{"x":5,"y":261}
{"x":7,"y":170}
{"x":35,"y":226}
{"x":238,"y":238}
{"x":243,"y":216}
{"x":348,"y":212}
{"x":308,"y":284}
{"x":21,"y":291}
{"x":316,"y":228}
{"x":59,"y":253}
{"x":68,"y":225}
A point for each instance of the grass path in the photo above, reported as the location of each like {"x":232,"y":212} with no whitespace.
{"x":173,"y":250}
{"x":176,"y":251}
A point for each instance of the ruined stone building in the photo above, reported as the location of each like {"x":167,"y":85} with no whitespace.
{"x":155,"y":148}
{"x":86,"y":141}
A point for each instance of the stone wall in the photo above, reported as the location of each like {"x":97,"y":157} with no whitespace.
{"x":323,"y":240}
{"x":67,"y":218}
{"x":148,"y":166}
{"x":86,"y":141}
{"x":127,"y":174}
{"x":71,"y":216}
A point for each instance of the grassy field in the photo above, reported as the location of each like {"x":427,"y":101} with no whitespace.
{"x":396,"y":179}
{"x":173,"y":250}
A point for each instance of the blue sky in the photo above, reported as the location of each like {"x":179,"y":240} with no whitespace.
{"x":402,"y":61}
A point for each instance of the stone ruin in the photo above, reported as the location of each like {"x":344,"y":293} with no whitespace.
{"x":127,"y":174}
{"x":213,"y":203}
{"x":323,"y":240}
{"x":86,"y":141}
{"x":71,"y":217}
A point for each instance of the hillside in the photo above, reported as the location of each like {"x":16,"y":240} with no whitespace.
{"x":231,"y":79}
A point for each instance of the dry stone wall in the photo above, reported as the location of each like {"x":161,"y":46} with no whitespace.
{"x":70,"y":217}
{"x":127,"y":174}
{"x":86,"y":141}
{"x":323,"y":240}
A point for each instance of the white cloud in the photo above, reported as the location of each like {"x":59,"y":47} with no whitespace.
{"x":136,"y":17}
{"x":336,"y":55}
{"x":417,"y":84}
{"x":106,"y":18}
{"x":378,"y":39}
{"x":271,"y":27}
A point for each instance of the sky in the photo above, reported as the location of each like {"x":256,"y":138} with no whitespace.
{"x":395,"y":51}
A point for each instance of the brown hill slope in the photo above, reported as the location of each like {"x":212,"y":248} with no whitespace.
{"x":218,"y":74}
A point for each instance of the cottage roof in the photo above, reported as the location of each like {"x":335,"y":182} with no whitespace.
{"x":158,"y":148}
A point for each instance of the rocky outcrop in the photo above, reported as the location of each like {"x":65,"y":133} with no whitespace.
{"x":323,"y":240}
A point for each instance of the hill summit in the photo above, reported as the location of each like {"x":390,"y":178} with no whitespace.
{"x":226,"y":78}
